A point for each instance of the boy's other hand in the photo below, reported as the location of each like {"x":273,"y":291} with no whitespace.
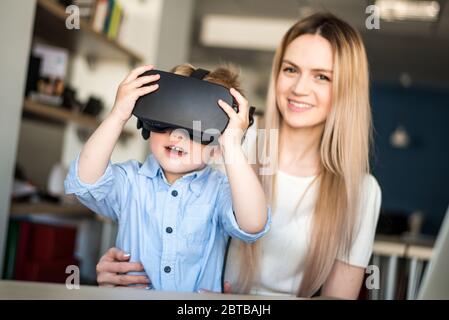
{"x":131,"y":89}
{"x":238,"y":122}
{"x":112,"y":269}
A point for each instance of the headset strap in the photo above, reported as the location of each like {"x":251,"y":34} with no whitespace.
{"x":199,"y":73}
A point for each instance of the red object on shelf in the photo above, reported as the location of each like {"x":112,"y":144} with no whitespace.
{"x":44,"y":252}
{"x":52,"y":242}
{"x":45,"y":271}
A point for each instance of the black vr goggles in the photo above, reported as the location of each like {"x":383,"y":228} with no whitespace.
{"x":187,"y":103}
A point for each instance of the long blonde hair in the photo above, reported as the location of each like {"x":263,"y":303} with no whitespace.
{"x":344,"y":151}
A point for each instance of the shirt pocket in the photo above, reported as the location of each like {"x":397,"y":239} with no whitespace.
{"x":197,"y":224}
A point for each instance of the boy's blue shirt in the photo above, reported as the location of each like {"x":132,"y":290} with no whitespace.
{"x":178,"y":232}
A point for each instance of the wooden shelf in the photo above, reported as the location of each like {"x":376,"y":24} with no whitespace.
{"x":58,"y":113}
{"x":49,"y":26}
{"x":20,"y":209}
{"x":63,"y":115}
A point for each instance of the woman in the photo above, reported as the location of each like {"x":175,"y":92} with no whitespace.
{"x":325,"y":203}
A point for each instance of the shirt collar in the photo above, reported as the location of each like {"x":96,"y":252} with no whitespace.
{"x":151,"y":169}
{"x":197,"y":179}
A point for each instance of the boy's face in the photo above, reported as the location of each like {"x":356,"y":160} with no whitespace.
{"x":177,"y":154}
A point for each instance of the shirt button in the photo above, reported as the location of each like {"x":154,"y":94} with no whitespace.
{"x":167,"y":269}
{"x":174,"y":193}
{"x":169,"y":230}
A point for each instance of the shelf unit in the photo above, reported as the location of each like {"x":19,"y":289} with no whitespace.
{"x":63,"y":115}
{"x":78,"y":210}
{"x":50,"y":26}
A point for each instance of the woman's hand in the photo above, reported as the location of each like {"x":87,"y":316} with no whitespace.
{"x":112,"y":269}
{"x":131,"y":89}
{"x":238,"y":122}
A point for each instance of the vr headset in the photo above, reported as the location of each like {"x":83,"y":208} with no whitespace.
{"x":185,"y":102}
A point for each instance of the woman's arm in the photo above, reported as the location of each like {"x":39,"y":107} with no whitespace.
{"x":344,"y":281}
{"x":248,"y":197}
{"x":94,"y":157}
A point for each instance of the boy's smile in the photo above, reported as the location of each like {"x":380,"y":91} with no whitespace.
{"x":175,"y":151}
{"x":177,"y":154}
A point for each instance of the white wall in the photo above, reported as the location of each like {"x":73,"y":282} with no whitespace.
{"x":102,"y":81}
{"x":39,"y":149}
{"x":175,"y":30}
{"x":16,"y":22}
{"x":250,"y":81}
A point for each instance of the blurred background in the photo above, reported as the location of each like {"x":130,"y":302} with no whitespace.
{"x":59,"y":76}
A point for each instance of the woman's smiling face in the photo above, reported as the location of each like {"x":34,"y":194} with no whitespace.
{"x":304,"y":82}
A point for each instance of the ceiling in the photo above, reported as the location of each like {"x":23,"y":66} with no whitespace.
{"x":418,"y":49}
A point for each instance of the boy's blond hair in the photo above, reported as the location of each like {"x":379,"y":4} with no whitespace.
{"x":226,"y":75}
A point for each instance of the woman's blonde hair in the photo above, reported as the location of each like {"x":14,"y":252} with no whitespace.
{"x":344,"y":151}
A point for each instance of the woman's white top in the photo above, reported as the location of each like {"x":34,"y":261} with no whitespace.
{"x":284,"y":248}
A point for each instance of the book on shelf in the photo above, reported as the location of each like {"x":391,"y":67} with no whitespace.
{"x":115,"y":21}
{"x":99,"y":17}
{"x":107,"y":18}
{"x":11,"y":249}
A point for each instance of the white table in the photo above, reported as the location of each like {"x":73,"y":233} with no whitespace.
{"x":19,"y":290}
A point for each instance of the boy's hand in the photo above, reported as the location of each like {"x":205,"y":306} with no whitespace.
{"x":131,"y":89}
{"x":238,"y":122}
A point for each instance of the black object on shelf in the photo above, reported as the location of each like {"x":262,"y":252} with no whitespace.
{"x":69,"y":99}
{"x":34,"y":66}
{"x":66,"y":3}
{"x":94,"y":106}
{"x":392,"y":223}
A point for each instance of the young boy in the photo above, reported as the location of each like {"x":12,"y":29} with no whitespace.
{"x":175,"y":213}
